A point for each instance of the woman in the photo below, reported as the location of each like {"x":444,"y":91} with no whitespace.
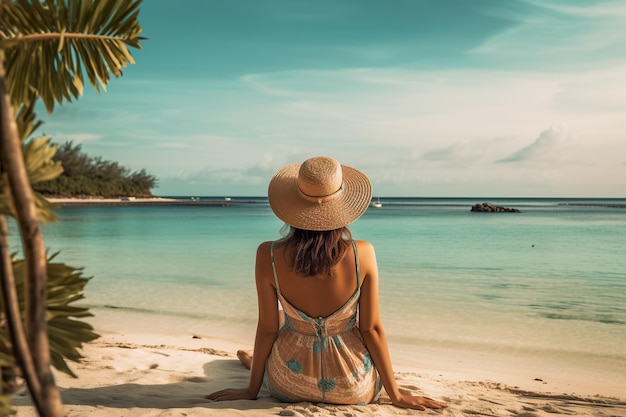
{"x":331,"y":346}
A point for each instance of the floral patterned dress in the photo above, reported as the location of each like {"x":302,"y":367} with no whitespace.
{"x":321,"y":359}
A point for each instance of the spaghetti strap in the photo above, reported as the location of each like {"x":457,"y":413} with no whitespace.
{"x":274,"y":268}
{"x":358,"y":268}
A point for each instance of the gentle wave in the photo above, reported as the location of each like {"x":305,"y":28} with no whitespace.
{"x":171,"y":313}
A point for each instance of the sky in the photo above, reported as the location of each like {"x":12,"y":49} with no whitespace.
{"x":429,"y":98}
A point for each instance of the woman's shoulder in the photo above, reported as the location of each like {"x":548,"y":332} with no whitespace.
{"x":263,"y":266}
{"x":364,"y":246}
{"x":367,"y":257}
{"x":264,"y":247}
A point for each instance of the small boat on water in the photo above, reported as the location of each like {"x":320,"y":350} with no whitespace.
{"x":376,"y":204}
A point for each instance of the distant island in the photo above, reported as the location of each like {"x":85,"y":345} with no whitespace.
{"x":87,"y":177}
{"x":492,"y":208}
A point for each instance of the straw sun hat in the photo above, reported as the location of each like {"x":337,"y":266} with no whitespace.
{"x":319,"y":194}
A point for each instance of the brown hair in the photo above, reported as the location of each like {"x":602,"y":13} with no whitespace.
{"x":316,"y":252}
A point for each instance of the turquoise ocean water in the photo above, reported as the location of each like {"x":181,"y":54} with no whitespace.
{"x":548,"y":283}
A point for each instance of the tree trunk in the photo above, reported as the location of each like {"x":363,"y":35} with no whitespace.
{"x":12,"y":161}
{"x":19,"y":343}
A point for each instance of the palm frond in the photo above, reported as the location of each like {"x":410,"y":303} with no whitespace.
{"x":67,"y":334}
{"x":66,"y":40}
{"x":5,"y":406}
{"x":38,"y":159}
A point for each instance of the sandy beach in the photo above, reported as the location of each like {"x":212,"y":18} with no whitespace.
{"x":132,"y":373}
{"x":74,"y":201}
{"x":151,"y":201}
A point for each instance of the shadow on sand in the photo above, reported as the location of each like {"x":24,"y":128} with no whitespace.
{"x":182,"y":393}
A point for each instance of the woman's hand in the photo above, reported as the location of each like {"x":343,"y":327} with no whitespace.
{"x":417,"y":403}
{"x":231,"y":394}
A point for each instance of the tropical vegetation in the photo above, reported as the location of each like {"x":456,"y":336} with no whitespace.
{"x":47,"y":49}
{"x":86,"y":176}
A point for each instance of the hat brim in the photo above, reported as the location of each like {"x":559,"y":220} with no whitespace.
{"x":288,"y":204}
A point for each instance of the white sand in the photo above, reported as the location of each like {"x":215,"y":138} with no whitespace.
{"x":96,"y":200}
{"x":150,"y":374}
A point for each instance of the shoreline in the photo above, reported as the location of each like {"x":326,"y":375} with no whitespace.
{"x":153,"y":201}
{"x":143,"y":368}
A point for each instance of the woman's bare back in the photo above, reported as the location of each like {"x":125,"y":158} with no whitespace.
{"x":315,"y":296}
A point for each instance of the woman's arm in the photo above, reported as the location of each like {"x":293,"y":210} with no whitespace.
{"x":267,"y":326}
{"x":373,"y":334}
{"x":267,"y":329}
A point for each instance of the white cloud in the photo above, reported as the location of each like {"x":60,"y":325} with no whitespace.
{"x":421,"y":130}
{"x":172,"y":145}
{"x":551,"y":145}
{"x":553,"y":35}
{"x":468,"y":152}
{"x":264,"y":167}
{"x":77,"y":138}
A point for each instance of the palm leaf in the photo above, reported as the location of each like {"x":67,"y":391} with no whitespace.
{"x":39,"y":163}
{"x":38,"y":159}
{"x":66,"y":334}
{"x":66,"y":40}
{"x":5,"y":406}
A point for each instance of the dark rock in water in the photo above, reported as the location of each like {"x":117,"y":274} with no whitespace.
{"x":492,"y":208}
